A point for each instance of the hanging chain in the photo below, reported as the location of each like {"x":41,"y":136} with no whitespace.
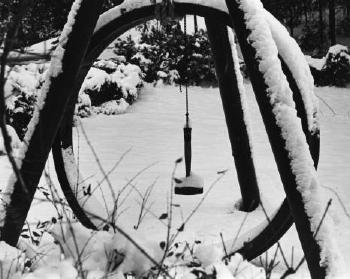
{"x":186,"y":70}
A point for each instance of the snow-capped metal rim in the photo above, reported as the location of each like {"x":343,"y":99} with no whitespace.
{"x":286,"y":45}
{"x":106,"y":22}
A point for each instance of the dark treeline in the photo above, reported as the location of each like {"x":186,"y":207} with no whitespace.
{"x":42,"y":20}
{"x":314,"y":23}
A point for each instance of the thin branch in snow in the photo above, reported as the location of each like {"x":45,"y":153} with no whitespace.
{"x":327,"y":105}
{"x":99,"y":164}
{"x":239,"y":230}
{"x":121,"y":158}
{"x":339,"y":199}
{"x":144,"y":201}
{"x":278,"y":243}
{"x":223,"y":245}
{"x":195,"y":209}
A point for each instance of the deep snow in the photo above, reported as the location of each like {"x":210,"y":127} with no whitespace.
{"x":152,"y":128}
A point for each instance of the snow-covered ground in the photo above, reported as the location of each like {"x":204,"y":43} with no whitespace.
{"x":151,"y":130}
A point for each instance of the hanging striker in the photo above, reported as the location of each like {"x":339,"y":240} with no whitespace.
{"x":191,"y":184}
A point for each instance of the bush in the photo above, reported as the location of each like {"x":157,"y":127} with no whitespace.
{"x":115,"y":83}
{"x":21,"y":113}
{"x":109,"y":88}
{"x":168,"y":51}
{"x":336,"y":68}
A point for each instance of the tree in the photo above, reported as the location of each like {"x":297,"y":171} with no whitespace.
{"x":44,"y":20}
{"x":320,"y":21}
{"x":332,"y":36}
{"x":287,"y":11}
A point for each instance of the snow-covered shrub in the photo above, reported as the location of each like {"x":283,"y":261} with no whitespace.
{"x":168,"y":78}
{"x":21,"y":90}
{"x":11,"y":260}
{"x":24,"y":79}
{"x":83,"y":106}
{"x":166,"y":50}
{"x":333,"y":69}
{"x":20,"y":112}
{"x":105,"y":253}
{"x":99,"y":87}
{"x":109,"y":88}
{"x":106,"y":81}
{"x":112,"y":107}
{"x":337,"y":67}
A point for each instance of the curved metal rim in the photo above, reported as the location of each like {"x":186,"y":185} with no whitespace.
{"x":282,"y":220}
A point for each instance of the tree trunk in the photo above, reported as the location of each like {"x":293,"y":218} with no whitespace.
{"x":195,"y":24}
{"x":320,"y":20}
{"x":306,"y":13}
{"x":332,"y":35}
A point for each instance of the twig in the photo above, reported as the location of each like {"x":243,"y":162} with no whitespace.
{"x":239,"y":231}
{"x":221,"y":175}
{"x":339,"y":199}
{"x":223,"y":245}
{"x":327,"y":105}
{"x":144,"y":201}
{"x":98,"y":161}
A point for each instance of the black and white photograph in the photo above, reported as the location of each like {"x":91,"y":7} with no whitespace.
{"x":175,"y":139}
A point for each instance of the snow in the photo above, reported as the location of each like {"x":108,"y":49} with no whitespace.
{"x":11,"y":260}
{"x":25,"y":78}
{"x":152,"y":127}
{"x":320,"y":63}
{"x":317,"y":63}
{"x":241,"y":88}
{"x":15,"y":141}
{"x":129,"y":5}
{"x":294,"y":58}
{"x":53,"y":71}
{"x":287,"y":48}
{"x":94,"y":79}
{"x":54,"y":270}
{"x":285,"y":113}
{"x":194,"y":180}
{"x":337,"y":49}
{"x":113,"y":107}
{"x":43,"y":47}
{"x":127,"y":77}
{"x":92,"y":207}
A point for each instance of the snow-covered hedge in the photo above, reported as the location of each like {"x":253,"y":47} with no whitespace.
{"x":110,"y":87}
{"x":333,"y":69}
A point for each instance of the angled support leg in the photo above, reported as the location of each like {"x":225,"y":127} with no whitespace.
{"x":39,"y":141}
{"x":283,"y":159}
{"x":234,"y":113}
